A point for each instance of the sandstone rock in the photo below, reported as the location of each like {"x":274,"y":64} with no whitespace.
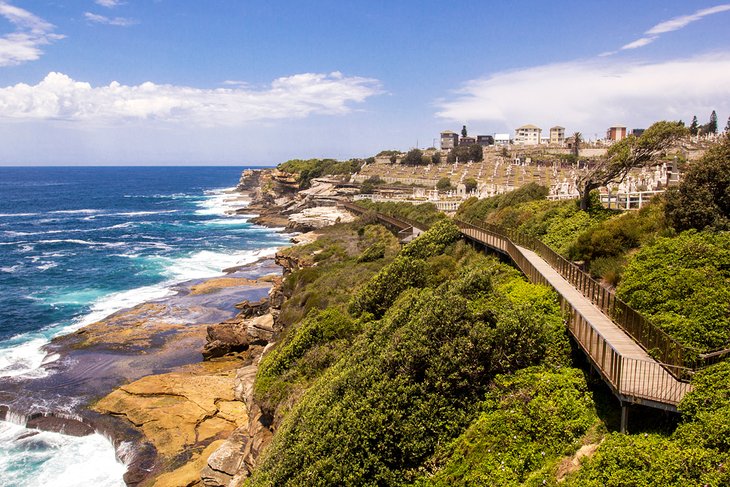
{"x":189,"y":474}
{"x":178,"y":410}
{"x":224,"y":338}
{"x":261,"y":329}
{"x":245,"y":378}
{"x":250,"y":310}
{"x":225,"y":462}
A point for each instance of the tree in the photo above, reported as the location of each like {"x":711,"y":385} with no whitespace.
{"x":471,"y":184}
{"x":712,"y":125}
{"x":577,"y":139}
{"x":694,"y":126}
{"x":627,"y":154}
{"x":414,"y":157}
{"x":727,"y":127}
{"x":443,"y":184}
{"x":466,"y":153}
{"x":463,"y":131}
{"x":393,"y":158}
{"x":476,"y":153}
{"x":702,"y":199}
{"x":436,"y":158}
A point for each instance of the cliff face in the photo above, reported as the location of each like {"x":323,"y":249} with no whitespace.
{"x":278,"y":201}
{"x":255,"y":329}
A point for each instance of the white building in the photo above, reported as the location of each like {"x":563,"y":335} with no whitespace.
{"x":528,"y":135}
{"x":557,"y":135}
{"x":501,"y":139}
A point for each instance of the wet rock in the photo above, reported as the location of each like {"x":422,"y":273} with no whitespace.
{"x":67,"y":426}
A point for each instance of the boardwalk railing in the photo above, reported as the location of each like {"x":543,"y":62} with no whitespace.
{"x":398,"y":222}
{"x":655,"y":341}
{"x":634,"y":379}
{"x":678,"y":359}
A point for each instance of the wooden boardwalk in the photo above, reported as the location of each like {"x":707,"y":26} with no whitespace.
{"x":633,"y":375}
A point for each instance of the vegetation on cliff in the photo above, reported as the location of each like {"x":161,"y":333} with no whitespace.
{"x":408,"y":370}
{"x":436,"y":365}
{"x":426,"y":213}
{"x":308,"y":169}
{"x":696,"y":453}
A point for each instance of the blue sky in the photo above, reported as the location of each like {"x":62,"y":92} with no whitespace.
{"x":243,"y":82}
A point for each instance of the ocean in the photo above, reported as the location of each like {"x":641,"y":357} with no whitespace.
{"x":77,"y":244}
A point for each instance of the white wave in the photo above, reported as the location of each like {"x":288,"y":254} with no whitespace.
{"x":23,"y":357}
{"x":205,"y":264}
{"x":82,"y":242}
{"x":221,"y":202}
{"x":119,"y":225}
{"x":141,"y":213}
{"x":56,"y":459}
{"x":47,"y":265}
{"x":84,"y":211}
{"x":11,"y":269}
{"x":241,"y":220}
{"x":18,"y":214}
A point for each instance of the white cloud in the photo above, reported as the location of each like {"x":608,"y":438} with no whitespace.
{"x":31,"y":32}
{"x":58,"y":97}
{"x":639,"y":42}
{"x":108,"y":3}
{"x":684,"y":20}
{"x":590,"y":95}
{"x":674,"y":24}
{"x":101,"y":19}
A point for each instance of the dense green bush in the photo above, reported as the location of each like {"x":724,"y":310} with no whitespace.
{"x":314,"y":168}
{"x":604,"y":245}
{"x":706,"y":410}
{"x":474,"y":209}
{"x":683,"y":285}
{"x":433,"y":242}
{"x":413,"y":380}
{"x":425,"y":213}
{"x":383,"y":289}
{"x":651,"y":460}
{"x":529,"y":419}
{"x":314,"y":344}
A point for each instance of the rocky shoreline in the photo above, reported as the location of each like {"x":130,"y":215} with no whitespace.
{"x":170,"y":382}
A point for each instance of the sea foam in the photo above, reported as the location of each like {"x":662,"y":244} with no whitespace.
{"x":30,"y":458}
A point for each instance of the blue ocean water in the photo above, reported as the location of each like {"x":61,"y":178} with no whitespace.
{"x":77,"y":244}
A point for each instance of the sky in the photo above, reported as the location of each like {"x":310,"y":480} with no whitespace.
{"x":239,"y":82}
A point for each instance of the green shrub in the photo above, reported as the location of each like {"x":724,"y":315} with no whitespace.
{"x":411,"y":381}
{"x":683,"y":285}
{"x":433,"y":242}
{"x":425,"y":213}
{"x":529,"y":419}
{"x":650,"y":460}
{"x":383,"y":289}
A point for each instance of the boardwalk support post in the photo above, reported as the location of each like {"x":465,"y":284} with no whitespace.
{"x":624,"y":416}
